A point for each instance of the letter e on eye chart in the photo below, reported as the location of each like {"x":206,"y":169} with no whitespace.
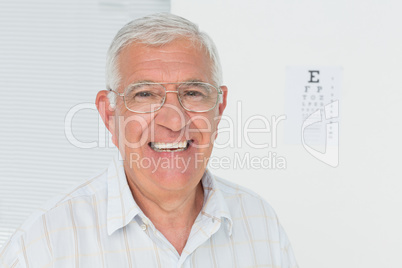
{"x":312,"y":98}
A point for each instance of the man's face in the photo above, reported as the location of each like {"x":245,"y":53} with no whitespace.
{"x":147,"y":168}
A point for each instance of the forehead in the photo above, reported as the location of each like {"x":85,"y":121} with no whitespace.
{"x":177,"y":61}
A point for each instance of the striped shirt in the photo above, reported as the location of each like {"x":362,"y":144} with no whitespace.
{"x":99,"y":224}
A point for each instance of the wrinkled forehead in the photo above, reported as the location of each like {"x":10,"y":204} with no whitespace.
{"x":179,"y":59}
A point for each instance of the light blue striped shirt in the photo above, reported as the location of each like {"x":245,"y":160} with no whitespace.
{"x":99,"y":224}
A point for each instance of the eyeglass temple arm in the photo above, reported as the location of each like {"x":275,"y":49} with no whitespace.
{"x":118,"y":93}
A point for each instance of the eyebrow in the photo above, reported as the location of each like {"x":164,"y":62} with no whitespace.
{"x":192,"y":80}
{"x":142,"y":81}
{"x":185,"y":81}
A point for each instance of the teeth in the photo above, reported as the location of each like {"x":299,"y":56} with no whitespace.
{"x":170,"y":146}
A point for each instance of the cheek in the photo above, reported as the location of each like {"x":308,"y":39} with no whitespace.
{"x":133,"y":131}
{"x":206,"y":127}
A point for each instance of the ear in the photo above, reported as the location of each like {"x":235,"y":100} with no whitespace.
{"x":107,"y":113}
{"x":221,"y":107}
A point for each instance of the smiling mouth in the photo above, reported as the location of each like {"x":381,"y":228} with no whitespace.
{"x":170,"y":146}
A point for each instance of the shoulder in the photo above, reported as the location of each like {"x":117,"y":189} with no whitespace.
{"x":243,"y":196}
{"x":83,"y":189}
{"x":56,"y":209}
{"x":255,"y":220}
{"x":80,"y":192}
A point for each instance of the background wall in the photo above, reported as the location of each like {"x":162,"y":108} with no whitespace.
{"x":347,"y":216}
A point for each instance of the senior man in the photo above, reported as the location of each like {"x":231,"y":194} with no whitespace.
{"x":156,"y":205}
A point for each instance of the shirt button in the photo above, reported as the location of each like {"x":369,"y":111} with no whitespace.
{"x":143,"y":227}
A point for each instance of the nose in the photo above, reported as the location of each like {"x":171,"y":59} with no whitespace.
{"x":172,"y":115}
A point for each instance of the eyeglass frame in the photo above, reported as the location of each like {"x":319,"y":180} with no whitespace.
{"x":220,"y":92}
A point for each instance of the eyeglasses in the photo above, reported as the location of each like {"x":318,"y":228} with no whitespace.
{"x":147,"y":97}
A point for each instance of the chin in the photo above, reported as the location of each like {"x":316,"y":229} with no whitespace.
{"x":176,"y":178}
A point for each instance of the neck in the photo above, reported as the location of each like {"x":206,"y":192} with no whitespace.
{"x":171,"y":208}
{"x":172,"y":213}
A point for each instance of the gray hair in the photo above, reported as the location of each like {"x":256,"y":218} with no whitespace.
{"x":156,"y":30}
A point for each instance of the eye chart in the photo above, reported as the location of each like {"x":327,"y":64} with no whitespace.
{"x":312,"y":106}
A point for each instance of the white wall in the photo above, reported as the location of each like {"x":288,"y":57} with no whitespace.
{"x":347,"y":216}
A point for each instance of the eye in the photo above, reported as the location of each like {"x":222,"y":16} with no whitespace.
{"x":193,"y":93}
{"x":143,"y":94}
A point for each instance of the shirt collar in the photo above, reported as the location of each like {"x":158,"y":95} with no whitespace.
{"x":215,"y":205}
{"x":122,"y":208}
